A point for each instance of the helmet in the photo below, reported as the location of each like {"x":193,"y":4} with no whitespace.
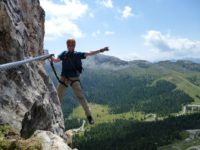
{"x":71,"y":41}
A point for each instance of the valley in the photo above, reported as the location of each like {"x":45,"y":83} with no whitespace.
{"x":132,"y":99}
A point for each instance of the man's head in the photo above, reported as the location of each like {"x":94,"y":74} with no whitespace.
{"x":71,"y":43}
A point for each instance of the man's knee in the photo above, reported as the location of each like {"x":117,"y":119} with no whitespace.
{"x":77,"y":88}
{"x":80,"y":95}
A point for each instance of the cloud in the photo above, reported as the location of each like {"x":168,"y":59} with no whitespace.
{"x":107,"y":3}
{"x":61,"y":16}
{"x":131,"y":56}
{"x":91,"y":15}
{"x":96,"y":33}
{"x":109,"y":33}
{"x":170,"y":45}
{"x":127,"y":12}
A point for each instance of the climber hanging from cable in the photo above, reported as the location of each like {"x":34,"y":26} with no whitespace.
{"x":70,"y":75}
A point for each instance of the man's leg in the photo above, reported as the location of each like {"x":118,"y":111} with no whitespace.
{"x":82,"y":100}
{"x":61,"y":89}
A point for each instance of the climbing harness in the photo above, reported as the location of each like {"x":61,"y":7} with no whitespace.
{"x":63,"y":83}
{"x":55,"y":73}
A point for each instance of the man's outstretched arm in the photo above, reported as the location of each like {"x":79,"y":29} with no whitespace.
{"x":97,"y":51}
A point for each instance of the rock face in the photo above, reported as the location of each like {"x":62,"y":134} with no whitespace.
{"x":41,"y":116}
{"x":51,"y":141}
{"x":26,"y":89}
{"x":21,"y":29}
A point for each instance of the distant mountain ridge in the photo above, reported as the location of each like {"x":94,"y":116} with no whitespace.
{"x":105,"y":62}
{"x":117,"y":62}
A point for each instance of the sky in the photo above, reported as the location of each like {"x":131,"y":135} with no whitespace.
{"x":150,"y":30}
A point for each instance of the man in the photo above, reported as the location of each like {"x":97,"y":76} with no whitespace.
{"x":71,"y":70}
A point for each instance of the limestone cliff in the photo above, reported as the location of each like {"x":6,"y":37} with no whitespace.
{"x":26,"y":93}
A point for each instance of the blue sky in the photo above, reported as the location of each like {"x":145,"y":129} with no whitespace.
{"x":133,"y":29}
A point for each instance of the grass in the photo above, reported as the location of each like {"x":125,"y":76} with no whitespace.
{"x":4,"y":129}
{"x":15,"y":142}
{"x":183,"y":84}
{"x":30,"y":144}
{"x":101,"y":114}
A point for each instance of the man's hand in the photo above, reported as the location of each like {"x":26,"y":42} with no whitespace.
{"x":104,"y":49}
{"x":53,"y":59}
{"x":50,"y":59}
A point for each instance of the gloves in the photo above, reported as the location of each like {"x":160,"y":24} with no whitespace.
{"x":104,"y":49}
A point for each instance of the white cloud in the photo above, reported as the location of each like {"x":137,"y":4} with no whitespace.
{"x":60,"y":17}
{"x":91,"y":15}
{"x":127,"y":12}
{"x":57,"y":28}
{"x":109,"y":33}
{"x":131,"y":56}
{"x":107,"y":3}
{"x":171,"y":46}
{"x":96,"y":33}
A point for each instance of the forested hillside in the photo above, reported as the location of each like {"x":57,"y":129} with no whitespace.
{"x":134,"y":135}
{"x":160,"y":88}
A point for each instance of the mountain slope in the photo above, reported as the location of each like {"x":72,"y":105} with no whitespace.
{"x":161,"y":87}
{"x":184,"y":85}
